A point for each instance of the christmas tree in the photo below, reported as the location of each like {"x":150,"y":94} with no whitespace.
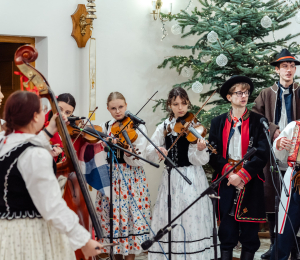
{"x":230,"y":40}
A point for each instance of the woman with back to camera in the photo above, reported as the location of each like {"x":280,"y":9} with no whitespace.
{"x":35,"y":221}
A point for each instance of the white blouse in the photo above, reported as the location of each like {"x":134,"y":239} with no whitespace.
{"x":290,"y":132}
{"x":140,"y":143}
{"x":36,"y":167}
{"x":195,"y":156}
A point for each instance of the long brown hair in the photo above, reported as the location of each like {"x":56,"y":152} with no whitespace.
{"x":19,"y":110}
{"x":115,"y":95}
{"x":174,"y":93}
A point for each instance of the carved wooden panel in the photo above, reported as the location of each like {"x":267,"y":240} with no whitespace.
{"x":77,"y":33}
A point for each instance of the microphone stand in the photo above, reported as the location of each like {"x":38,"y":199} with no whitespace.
{"x":170,"y":165}
{"x":266,"y":131}
{"x":210,"y":191}
{"x":110,"y":149}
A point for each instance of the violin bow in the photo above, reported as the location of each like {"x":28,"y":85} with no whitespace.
{"x":84,"y":125}
{"x":189,"y":123}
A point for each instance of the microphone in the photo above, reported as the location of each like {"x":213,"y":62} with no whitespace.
{"x":264,"y":122}
{"x":159,"y":235}
{"x":134,"y":118}
{"x":74,"y":118}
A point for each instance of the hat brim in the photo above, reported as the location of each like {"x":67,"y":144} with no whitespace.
{"x":276,"y":63}
{"x":232,"y":81}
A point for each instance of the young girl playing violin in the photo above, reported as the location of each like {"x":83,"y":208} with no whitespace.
{"x":189,"y":157}
{"x":67,"y":104}
{"x":130,"y":228}
{"x":35,"y":221}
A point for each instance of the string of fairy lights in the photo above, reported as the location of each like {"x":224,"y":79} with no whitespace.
{"x":176,"y":29}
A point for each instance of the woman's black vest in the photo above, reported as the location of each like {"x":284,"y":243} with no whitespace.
{"x":15,"y":201}
{"x":179,"y":153}
{"x":120,"y":158}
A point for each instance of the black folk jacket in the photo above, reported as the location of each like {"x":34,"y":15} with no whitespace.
{"x":250,"y":207}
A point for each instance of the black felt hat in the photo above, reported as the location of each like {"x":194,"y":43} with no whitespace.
{"x":284,"y":55}
{"x":232,"y":81}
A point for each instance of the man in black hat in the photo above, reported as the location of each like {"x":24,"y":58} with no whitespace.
{"x":233,"y":133}
{"x":280,"y":104}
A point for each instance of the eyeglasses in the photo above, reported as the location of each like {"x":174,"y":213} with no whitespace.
{"x":240,"y":93}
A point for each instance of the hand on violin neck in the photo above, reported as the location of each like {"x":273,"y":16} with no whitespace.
{"x":52,"y":127}
{"x":201,"y":145}
{"x":56,"y":150}
{"x":130,"y":150}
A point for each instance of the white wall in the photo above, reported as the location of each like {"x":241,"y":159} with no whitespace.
{"x":128,"y":52}
{"x":129,"y":49}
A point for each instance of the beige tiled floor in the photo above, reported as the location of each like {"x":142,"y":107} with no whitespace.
{"x":264,"y":246}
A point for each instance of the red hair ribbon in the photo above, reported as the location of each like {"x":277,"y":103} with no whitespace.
{"x":23,"y":79}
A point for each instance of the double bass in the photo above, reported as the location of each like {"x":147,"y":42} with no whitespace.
{"x":76,"y":193}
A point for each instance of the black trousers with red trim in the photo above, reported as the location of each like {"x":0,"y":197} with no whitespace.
{"x":287,"y":239}
{"x":232,"y":231}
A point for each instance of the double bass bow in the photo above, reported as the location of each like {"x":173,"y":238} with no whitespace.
{"x":76,"y":193}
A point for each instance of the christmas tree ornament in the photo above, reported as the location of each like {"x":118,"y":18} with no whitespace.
{"x":298,"y":17}
{"x":212,"y":36}
{"x":186,"y":72}
{"x":176,"y":29}
{"x":266,"y":21}
{"x":222,"y":60}
{"x":197,"y":87}
{"x":205,"y":58}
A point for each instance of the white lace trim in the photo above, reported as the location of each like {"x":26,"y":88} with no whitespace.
{"x":6,"y":185}
{"x":12,"y":150}
{"x":22,"y":214}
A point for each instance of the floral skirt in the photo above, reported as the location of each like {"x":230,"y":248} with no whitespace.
{"x":194,"y":237}
{"x":130,"y":228}
{"x":34,"y":239}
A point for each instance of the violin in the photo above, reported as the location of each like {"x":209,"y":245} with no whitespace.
{"x":76,"y":193}
{"x":74,"y":132}
{"x":182,"y":128}
{"x":124,"y":130}
{"x":91,"y":135}
{"x":187,"y":122}
{"x":182,"y":122}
